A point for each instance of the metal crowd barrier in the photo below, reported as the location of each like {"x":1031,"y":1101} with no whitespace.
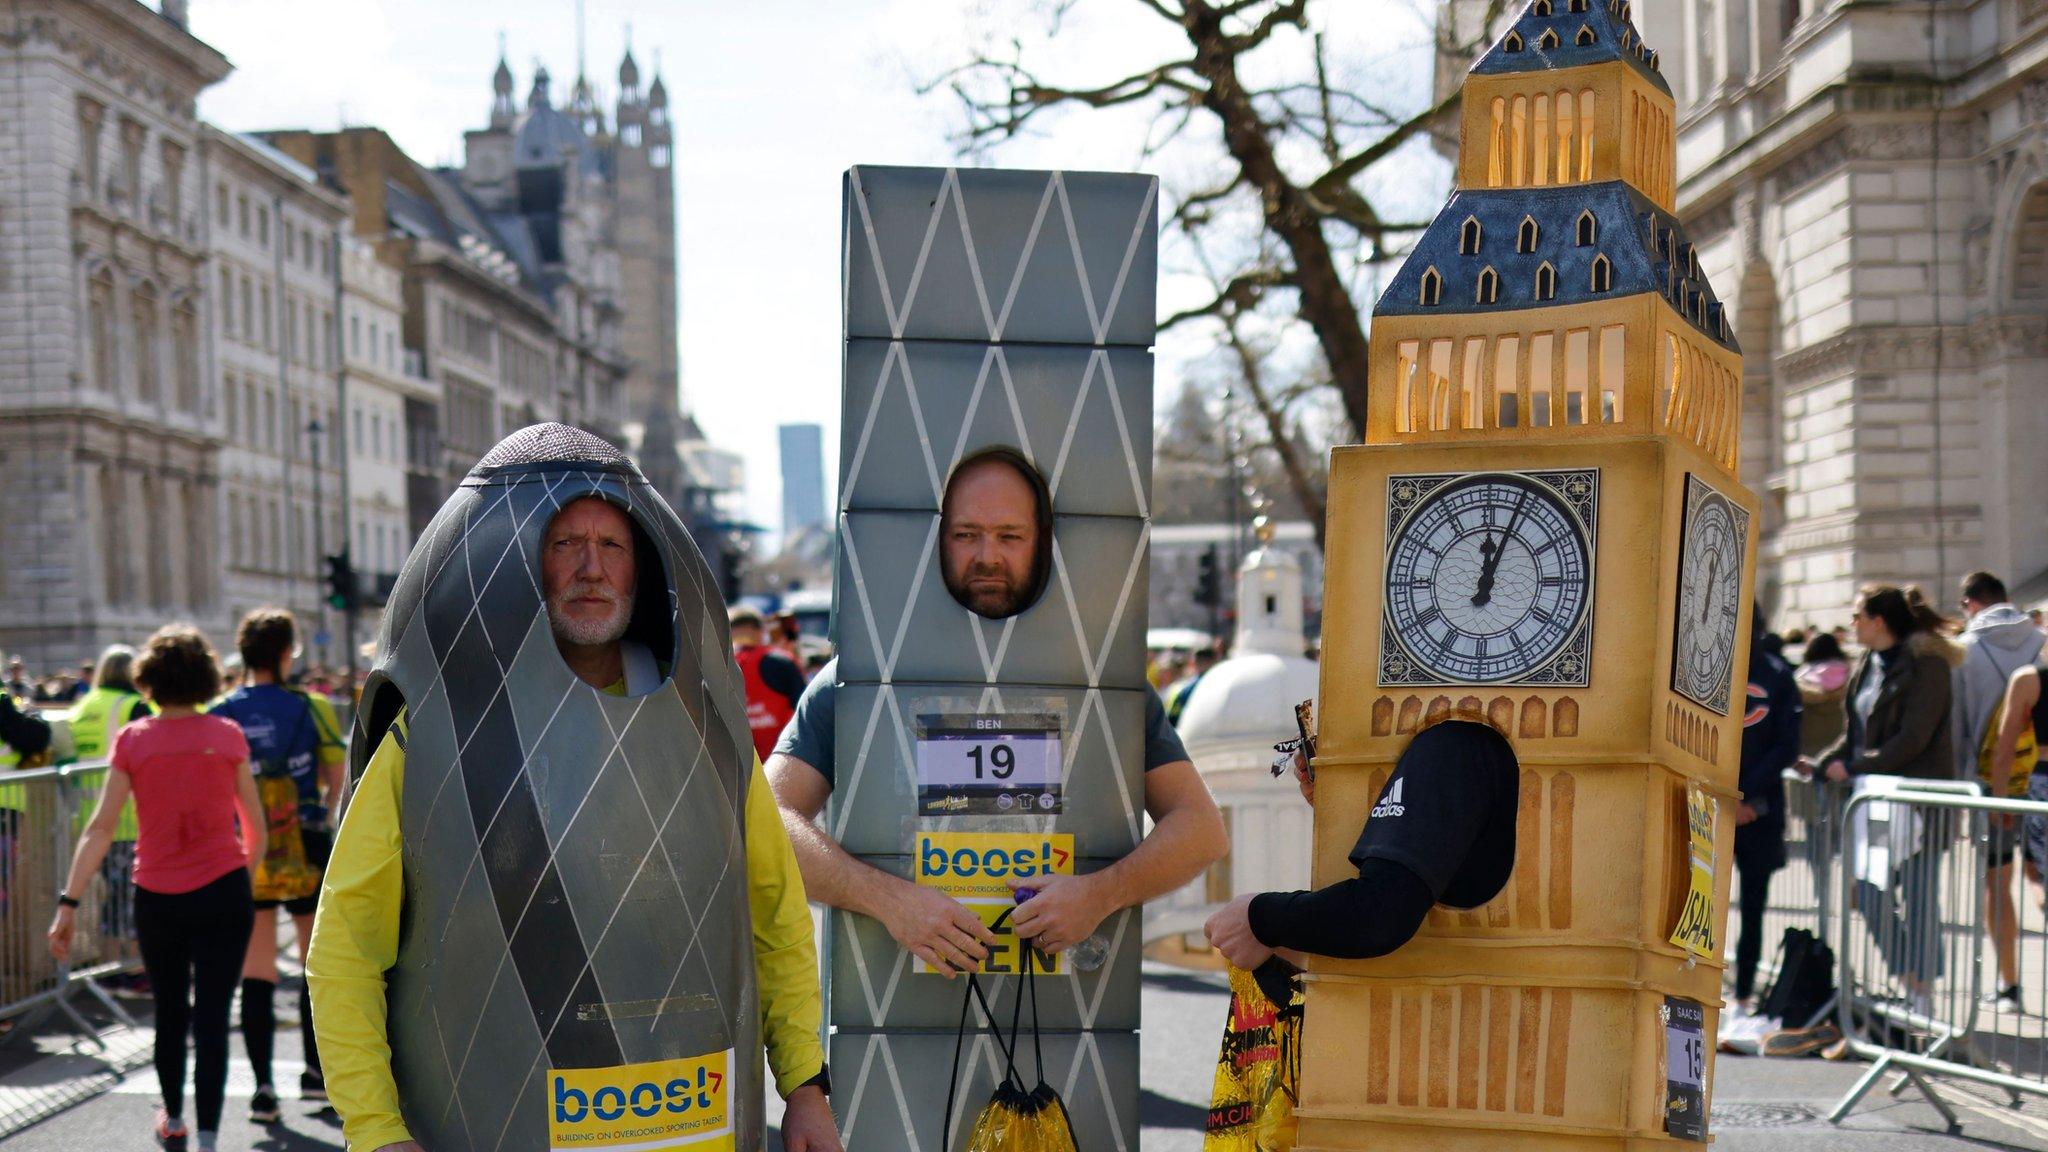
{"x":1805,"y":892}
{"x":1913,"y":953}
{"x":43,"y":811}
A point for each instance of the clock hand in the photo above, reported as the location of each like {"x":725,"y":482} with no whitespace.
{"x":1490,"y":554}
{"x":1707,"y":601}
{"x":1489,"y":559}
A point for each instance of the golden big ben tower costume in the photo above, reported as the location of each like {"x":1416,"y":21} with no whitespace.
{"x":1544,"y":528}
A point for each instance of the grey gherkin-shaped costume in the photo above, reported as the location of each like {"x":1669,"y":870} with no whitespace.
{"x":575,"y":872}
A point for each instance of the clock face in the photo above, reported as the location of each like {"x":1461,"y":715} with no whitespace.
{"x":1709,"y":595}
{"x":1489,"y":578}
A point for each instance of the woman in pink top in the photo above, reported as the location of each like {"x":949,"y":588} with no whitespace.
{"x":200,"y":834}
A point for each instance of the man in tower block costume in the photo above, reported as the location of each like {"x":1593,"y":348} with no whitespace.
{"x":562,"y":911}
{"x":1537,"y":596}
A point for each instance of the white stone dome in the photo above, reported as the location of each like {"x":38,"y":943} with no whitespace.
{"x":1244,"y":705}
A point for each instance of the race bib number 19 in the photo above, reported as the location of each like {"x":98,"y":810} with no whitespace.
{"x":643,"y":1107}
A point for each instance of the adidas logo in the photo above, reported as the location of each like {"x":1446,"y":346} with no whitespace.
{"x":1391,"y":804}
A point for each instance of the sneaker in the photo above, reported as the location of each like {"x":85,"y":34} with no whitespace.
{"x":263,"y":1105}
{"x":2006,"y":999}
{"x":170,"y":1133}
{"x":312,"y":1085}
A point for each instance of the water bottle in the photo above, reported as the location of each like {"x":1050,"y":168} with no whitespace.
{"x":1086,"y":956}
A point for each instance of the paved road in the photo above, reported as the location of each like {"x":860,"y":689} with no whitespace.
{"x":1760,"y":1105}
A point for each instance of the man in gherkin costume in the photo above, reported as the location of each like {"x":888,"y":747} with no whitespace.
{"x":562,"y":911}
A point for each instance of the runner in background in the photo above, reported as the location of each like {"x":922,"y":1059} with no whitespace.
{"x":300,"y":757}
{"x":774,"y":682}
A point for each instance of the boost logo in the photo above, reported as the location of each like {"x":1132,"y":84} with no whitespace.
{"x":642,"y":1107}
{"x":969,"y":865}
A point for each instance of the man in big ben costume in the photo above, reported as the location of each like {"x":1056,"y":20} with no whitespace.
{"x":1526,"y":766}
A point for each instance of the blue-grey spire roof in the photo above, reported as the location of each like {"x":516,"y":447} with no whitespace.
{"x":1552,"y":34}
{"x":1645,"y":248}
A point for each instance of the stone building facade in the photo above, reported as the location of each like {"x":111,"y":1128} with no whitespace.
{"x":1872,"y":182}
{"x":382,"y":380}
{"x":110,"y":455}
{"x":1868,"y":183}
{"x":271,"y":232}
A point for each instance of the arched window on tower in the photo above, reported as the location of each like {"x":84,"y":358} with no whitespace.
{"x":1489,"y":287}
{"x":1546,"y":281}
{"x":1588,"y":229}
{"x":1527,"y":235}
{"x":1432,"y":288}
{"x":1540,"y":8}
{"x":1576,"y":6}
{"x":1512,"y":42}
{"x":1585,"y":36}
{"x":1547,"y":41}
{"x":1469,"y":235}
{"x":1603,"y":274}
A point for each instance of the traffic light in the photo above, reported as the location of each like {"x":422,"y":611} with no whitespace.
{"x":1208,"y":579}
{"x":730,"y":559}
{"x":341,"y":583}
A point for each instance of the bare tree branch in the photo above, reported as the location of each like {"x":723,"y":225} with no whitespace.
{"x":1241,"y":294}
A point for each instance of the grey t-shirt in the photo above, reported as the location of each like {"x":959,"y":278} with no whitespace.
{"x":808,"y":735}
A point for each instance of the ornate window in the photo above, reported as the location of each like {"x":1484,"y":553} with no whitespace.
{"x":102,"y":359}
{"x":1540,"y":8}
{"x":1603,"y":274}
{"x":185,"y":353}
{"x":1469,"y":235}
{"x":1512,"y":42}
{"x":1547,"y":41}
{"x":1585,"y":36}
{"x":142,"y":305}
{"x":1432,"y":288}
{"x":1546,"y":281}
{"x":1489,"y":286}
{"x":1588,"y":229}
{"x":1576,"y":6}
{"x":1527,"y":235}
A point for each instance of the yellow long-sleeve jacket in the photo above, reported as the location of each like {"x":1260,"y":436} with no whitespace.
{"x":355,"y":942}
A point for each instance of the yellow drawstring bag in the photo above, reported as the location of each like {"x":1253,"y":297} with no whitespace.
{"x":1015,"y":1119}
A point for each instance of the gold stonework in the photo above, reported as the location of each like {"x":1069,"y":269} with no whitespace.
{"x":1553,"y":320}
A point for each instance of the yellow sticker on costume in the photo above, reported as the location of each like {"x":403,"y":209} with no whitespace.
{"x":977,"y":865}
{"x":1695,"y":931}
{"x":683,"y":1103}
{"x":974,"y":867}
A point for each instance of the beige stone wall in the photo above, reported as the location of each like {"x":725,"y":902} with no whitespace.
{"x":110,"y":436}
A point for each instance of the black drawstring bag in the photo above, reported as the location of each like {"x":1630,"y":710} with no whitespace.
{"x":1015,"y":1119}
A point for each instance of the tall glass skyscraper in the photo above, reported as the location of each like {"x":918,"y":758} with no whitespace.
{"x":803,"y":476}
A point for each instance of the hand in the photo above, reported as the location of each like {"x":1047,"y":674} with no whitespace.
{"x":1302,"y":779}
{"x":403,"y":1146}
{"x":1805,"y":766}
{"x":1230,"y":932}
{"x":61,"y":928}
{"x":1837,"y":772}
{"x":1065,"y":911}
{"x":938,"y":930}
{"x":1744,"y":814}
{"x":807,"y":1124}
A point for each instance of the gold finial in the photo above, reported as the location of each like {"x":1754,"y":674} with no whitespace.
{"x":1263,"y":528}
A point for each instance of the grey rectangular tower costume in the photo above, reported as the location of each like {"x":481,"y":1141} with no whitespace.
{"x":990,"y":309}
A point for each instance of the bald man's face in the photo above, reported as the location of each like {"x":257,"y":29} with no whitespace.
{"x":588,"y":573}
{"x":990,"y":539}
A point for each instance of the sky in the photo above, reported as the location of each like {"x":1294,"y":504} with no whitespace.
{"x":772,"y":101}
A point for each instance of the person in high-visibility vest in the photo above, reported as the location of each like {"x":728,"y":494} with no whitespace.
{"x":95,"y":719}
{"x":23,"y":738}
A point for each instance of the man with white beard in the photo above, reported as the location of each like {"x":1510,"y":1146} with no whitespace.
{"x":589,"y":569}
